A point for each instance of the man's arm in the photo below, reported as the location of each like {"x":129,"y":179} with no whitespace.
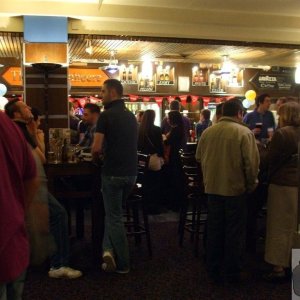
{"x":251,"y":160}
{"x":97,"y":146}
{"x":198,"y":150}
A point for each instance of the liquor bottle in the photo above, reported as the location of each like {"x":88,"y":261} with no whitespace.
{"x":130,"y":75}
{"x":162,"y":76}
{"x":234,"y":78}
{"x":142,"y":82}
{"x":201,"y":77}
{"x":124,"y":75}
{"x":147,"y":81}
{"x":167,"y":76}
{"x":196,"y":77}
{"x":64,"y":151}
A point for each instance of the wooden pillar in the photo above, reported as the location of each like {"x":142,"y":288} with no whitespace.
{"x":46,"y":83}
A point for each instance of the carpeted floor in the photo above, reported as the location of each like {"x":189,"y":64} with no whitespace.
{"x":172,"y":273}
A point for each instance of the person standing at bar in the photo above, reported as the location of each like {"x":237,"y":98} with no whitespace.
{"x":21,"y":114}
{"x":91,"y":114}
{"x":18,"y":186}
{"x":166,"y":127}
{"x":261,"y":119}
{"x":229,"y":160}
{"x":116,"y":136}
{"x":203,"y":123}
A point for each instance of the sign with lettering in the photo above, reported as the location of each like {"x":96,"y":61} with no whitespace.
{"x":128,"y":75}
{"x":146,"y":84}
{"x":86,"y":77}
{"x":199,"y":77}
{"x":13,"y":76}
{"x":165,"y":75}
{"x":281,"y":82}
{"x":217,"y":83}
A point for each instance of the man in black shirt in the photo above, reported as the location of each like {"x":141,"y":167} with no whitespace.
{"x":116,"y":137}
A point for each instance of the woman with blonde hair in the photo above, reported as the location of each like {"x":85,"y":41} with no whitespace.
{"x":283,"y":191}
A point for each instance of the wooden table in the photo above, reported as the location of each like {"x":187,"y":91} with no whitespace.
{"x":89,"y":175}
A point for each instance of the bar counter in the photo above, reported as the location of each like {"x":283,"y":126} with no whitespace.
{"x":73,"y":174}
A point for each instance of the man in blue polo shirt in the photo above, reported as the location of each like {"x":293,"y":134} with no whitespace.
{"x":261,"y":118}
{"x":116,"y":138}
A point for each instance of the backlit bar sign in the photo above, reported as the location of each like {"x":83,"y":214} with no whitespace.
{"x":86,"y":77}
{"x":41,"y":29}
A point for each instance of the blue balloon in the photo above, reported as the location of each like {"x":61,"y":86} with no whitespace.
{"x":3,"y":89}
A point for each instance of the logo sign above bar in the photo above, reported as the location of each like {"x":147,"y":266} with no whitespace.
{"x":199,"y":77}
{"x":281,"y":82}
{"x":13,"y":76}
{"x":129,"y":74}
{"x":86,"y":77}
{"x":146,"y":84}
{"x":165,"y":75}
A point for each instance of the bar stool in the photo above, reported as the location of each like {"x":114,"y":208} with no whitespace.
{"x":136,"y":218}
{"x":193,"y":213}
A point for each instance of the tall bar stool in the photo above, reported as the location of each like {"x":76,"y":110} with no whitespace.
{"x":136,"y":218}
{"x":193,"y":213}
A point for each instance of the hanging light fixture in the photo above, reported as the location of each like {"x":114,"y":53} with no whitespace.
{"x":89,"y":47}
{"x":112,"y":67}
{"x":227,"y":66}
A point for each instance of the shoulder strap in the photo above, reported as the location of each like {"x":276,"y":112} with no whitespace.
{"x":151,"y":143}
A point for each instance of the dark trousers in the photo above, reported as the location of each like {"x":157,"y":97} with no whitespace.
{"x":152,"y":191}
{"x":256,"y":201}
{"x":59,"y":229}
{"x":225,"y":234}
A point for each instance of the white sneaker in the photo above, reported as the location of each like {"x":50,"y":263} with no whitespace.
{"x":109,"y":264}
{"x":64,"y":272}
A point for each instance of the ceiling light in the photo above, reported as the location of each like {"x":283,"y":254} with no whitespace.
{"x":195,"y":69}
{"x":89,"y":47}
{"x":112,"y":67}
{"x":227,"y":65}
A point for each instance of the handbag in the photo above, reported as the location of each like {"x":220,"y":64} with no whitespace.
{"x":155,"y":162}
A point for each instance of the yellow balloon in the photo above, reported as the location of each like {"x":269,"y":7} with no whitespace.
{"x":251,"y":101}
{"x":250,"y":95}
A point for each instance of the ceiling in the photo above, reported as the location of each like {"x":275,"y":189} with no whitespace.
{"x":251,"y":32}
{"x":135,"y":50}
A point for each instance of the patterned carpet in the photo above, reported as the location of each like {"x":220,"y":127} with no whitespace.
{"x":172,"y":273}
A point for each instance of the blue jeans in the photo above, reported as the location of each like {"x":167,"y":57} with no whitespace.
{"x":115,"y":190}
{"x":59,"y":229}
{"x":226,"y":226}
{"x":13,"y":290}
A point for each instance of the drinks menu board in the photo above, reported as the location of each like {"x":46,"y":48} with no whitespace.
{"x":218,"y":83}
{"x":236,"y":78}
{"x":199,"y":77}
{"x":165,"y":75}
{"x":146,"y":83}
{"x":129,"y":74}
